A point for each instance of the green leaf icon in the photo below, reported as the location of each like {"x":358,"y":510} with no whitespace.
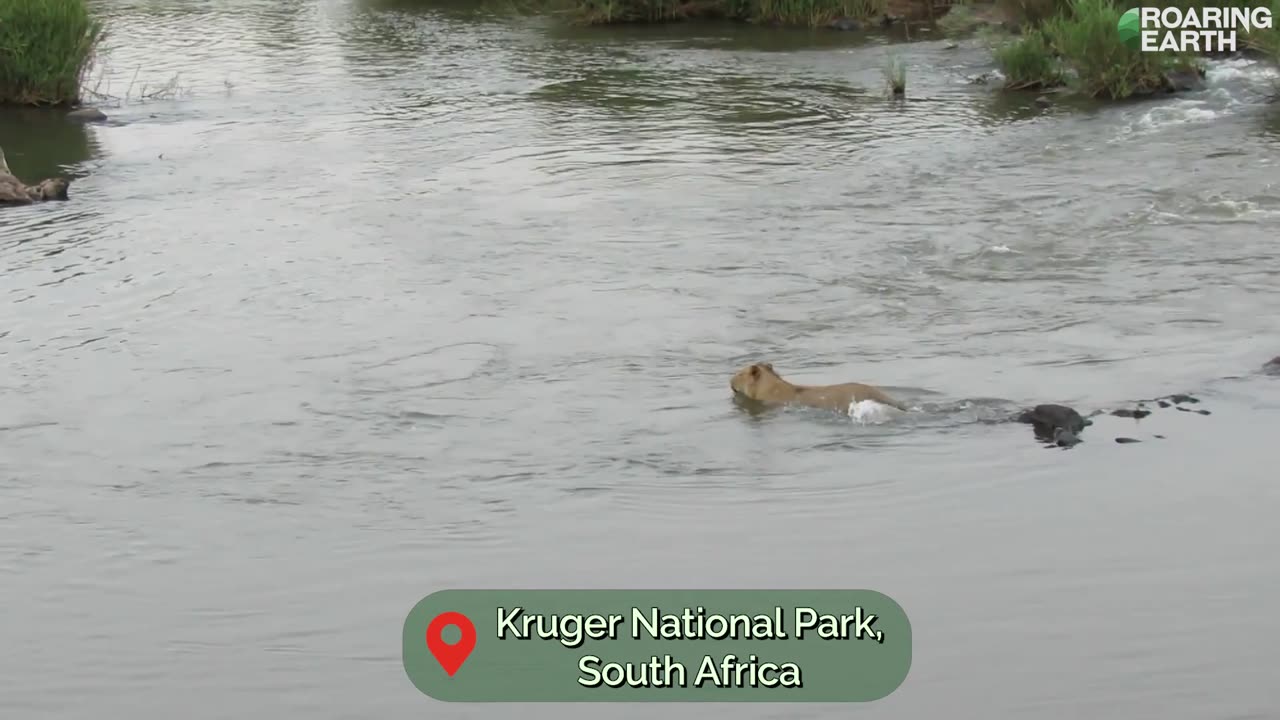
{"x":1130,"y":29}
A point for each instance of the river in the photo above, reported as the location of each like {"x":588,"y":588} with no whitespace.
{"x":390,"y":300}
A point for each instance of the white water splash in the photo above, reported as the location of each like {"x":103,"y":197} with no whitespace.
{"x":1238,"y":209}
{"x":870,"y":412}
{"x":1184,"y":112}
{"x":1230,"y":85}
{"x":1238,"y":69}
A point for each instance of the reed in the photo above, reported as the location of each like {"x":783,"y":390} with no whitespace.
{"x":46,"y":48}
{"x":1088,"y":41}
{"x":811,"y":13}
{"x":895,"y":76}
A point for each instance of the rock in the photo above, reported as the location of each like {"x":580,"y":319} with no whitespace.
{"x":1184,"y":80}
{"x":86,"y":115}
{"x":951,"y":45}
{"x":1043,"y":101}
{"x":982,"y":79}
{"x":844,"y":23}
{"x":1183,"y":398}
{"x":1123,"y":440}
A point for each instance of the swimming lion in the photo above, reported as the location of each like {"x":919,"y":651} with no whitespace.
{"x":761,"y":383}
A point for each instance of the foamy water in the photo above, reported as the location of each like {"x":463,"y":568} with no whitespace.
{"x":1239,"y":69}
{"x":870,"y":412}
{"x":1231,"y":87}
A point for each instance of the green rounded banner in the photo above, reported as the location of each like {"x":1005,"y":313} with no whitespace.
{"x":657,"y":645}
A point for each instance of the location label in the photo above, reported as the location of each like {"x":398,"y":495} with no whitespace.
{"x":658,"y":645}
{"x":451,"y":656}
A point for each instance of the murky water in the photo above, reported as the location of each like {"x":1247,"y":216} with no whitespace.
{"x":389,"y":301}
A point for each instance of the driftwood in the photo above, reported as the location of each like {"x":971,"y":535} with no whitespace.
{"x":15,"y":192}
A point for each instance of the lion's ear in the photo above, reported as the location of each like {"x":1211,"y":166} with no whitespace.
{"x":769,"y":367}
{"x":755,"y":371}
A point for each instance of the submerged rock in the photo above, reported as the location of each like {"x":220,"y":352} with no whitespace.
{"x":86,"y":115}
{"x":1184,"y":80}
{"x":845,"y":23}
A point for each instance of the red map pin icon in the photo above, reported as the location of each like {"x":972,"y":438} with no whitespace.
{"x":449,"y":656}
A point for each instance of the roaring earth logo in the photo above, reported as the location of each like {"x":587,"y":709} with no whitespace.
{"x":1209,"y":29}
{"x":1130,"y":29}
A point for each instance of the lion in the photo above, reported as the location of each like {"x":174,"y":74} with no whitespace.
{"x":759,"y":382}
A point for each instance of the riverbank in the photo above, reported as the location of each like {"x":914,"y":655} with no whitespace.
{"x":46,"y":47}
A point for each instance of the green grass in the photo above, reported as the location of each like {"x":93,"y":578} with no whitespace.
{"x":1088,"y":41}
{"x":895,"y":77}
{"x":811,"y":13}
{"x":1075,"y":42}
{"x":46,"y":47}
{"x":1080,"y":46}
{"x":1028,"y":63}
{"x":1266,"y":41}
